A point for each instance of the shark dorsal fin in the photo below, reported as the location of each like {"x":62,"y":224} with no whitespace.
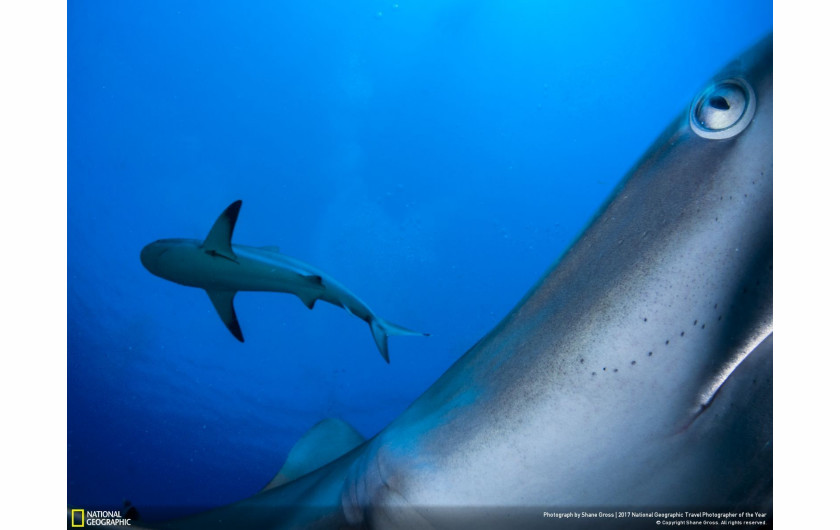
{"x":217,"y":242}
{"x":320,"y":445}
{"x":223,"y":302}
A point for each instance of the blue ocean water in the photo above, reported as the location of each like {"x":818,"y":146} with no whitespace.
{"x":435,"y":157}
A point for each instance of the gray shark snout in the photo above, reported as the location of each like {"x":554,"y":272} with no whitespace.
{"x":150,"y":256}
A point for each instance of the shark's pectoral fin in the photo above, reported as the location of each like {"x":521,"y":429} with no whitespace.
{"x":320,"y":445}
{"x":223,"y":302}
{"x":217,"y":242}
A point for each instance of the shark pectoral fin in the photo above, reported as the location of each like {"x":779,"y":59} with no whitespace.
{"x":320,"y":445}
{"x":271,"y":248}
{"x":217,"y":242}
{"x":223,"y":302}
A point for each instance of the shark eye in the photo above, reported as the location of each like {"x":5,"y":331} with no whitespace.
{"x":723,"y":110}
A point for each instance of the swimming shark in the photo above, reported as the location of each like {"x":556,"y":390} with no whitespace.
{"x":223,"y":269}
{"x":635,"y":377}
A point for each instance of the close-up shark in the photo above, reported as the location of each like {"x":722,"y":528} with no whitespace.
{"x":635,"y":375}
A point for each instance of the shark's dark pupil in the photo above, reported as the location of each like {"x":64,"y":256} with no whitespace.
{"x":719,"y":102}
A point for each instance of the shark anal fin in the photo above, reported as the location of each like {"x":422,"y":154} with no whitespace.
{"x":217,"y":242}
{"x":308,"y":299}
{"x":223,"y":302}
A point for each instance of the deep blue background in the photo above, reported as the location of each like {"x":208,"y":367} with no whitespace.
{"x":435,"y":157}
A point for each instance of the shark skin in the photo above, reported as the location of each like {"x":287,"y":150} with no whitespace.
{"x":636,"y":375}
{"x":223,"y":269}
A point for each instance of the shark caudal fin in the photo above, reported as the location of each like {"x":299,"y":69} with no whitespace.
{"x":382,"y":329}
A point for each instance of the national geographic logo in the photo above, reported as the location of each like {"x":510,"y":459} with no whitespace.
{"x":80,"y":518}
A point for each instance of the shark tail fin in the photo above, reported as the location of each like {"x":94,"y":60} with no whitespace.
{"x":382,"y":329}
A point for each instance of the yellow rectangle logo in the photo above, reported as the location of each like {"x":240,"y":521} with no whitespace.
{"x":77,"y":515}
